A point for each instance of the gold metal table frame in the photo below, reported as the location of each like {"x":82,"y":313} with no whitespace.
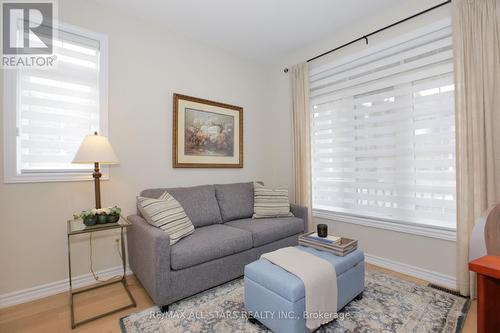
{"x":76,"y":227}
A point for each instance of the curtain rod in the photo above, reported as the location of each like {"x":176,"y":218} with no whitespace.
{"x":365,"y":37}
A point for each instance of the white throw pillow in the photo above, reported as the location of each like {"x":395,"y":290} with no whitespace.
{"x":167,"y":214}
{"x":270,"y":202}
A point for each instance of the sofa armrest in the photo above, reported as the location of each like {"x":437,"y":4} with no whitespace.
{"x":300,"y":212}
{"x":149,"y":257}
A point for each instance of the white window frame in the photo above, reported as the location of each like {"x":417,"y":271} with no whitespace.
{"x":431,"y":231}
{"x":11,"y":171}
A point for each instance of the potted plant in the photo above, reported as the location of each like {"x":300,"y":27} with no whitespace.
{"x":108,"y":214}
{"x":102,"y":215}
{"x":114,"y":214}
{"x":89,"y":217}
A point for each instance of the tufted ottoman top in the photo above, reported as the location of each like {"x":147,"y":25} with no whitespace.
{"x":288,"y":285}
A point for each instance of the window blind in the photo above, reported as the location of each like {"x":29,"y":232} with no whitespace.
{"x":57,"y":107}
{"x":382,"y":132}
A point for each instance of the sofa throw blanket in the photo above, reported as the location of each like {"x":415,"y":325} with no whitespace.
{"x":167,"y":214}
{"x":319,"y":278}
{"x":270,"y":202}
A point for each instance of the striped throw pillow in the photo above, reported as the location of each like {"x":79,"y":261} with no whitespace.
{"x":270,"y":202}
{"x":167,"y":214}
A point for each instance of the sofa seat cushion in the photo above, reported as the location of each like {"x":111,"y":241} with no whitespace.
{"x":268,"y":230}
{"x":199,"y":202}
{"x":209,"y":243}
{"x":235,"y":200}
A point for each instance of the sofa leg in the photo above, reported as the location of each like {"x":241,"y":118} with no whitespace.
{"x":252,"y":320}
{"x":360,"y":296}
{"x":164,"y":308}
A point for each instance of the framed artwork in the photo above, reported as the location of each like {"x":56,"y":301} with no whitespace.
{"x":207,"y":134}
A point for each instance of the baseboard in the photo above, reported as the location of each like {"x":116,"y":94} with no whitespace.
{"x":439,"y":279}
{"x":49,"y":289}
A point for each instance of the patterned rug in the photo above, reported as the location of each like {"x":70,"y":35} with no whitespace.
{"x":389,"y":304}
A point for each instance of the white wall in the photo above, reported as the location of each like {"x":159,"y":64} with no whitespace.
{"x":422,"y":252}
{"x":146,"y":66}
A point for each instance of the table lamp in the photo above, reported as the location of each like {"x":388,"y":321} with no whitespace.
{"x":96,"y":149}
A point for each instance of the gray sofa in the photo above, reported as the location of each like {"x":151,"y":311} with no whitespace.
{"x":226,"y":238}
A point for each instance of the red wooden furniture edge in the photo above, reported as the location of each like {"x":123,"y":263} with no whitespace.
{"x":487,"y":265}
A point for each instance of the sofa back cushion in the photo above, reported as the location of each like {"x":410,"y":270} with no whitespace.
{"x":235,"y":200}
{"x":199,"y":202}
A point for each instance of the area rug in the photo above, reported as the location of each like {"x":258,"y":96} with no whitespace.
{"x":389,"y":304}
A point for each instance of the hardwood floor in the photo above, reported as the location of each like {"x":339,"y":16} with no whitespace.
{"x":52,"y":314}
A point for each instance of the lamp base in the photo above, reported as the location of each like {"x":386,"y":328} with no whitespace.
{"x":97,"y":175}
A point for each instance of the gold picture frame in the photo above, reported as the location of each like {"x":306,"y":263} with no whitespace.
{"x":206,"y":134}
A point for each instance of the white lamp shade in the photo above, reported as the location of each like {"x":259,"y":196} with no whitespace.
{"x":95,"y":148}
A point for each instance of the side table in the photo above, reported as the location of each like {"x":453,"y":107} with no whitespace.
{"x":488,"y":293}
{"x":76,"y":227}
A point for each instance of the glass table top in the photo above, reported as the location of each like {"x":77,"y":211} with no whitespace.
{"x":77,"y":227}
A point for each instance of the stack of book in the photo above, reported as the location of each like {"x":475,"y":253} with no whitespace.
{"x":338,"y":246}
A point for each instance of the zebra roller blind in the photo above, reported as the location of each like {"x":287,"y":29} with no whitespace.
{"x":58,"y":107}
{"x":383,"y":131}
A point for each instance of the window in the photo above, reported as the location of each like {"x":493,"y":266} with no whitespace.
{"x":48,"y":111}
{"x":383,"y":132}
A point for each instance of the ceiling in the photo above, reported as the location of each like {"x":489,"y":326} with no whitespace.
{"x":260,"y":30}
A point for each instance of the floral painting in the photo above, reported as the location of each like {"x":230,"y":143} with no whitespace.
{"x":208,"y":133}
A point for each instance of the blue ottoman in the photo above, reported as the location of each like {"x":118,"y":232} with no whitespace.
{"x":275,"y":297}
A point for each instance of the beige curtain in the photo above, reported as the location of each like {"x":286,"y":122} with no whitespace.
{"x":299,"y":108}
{"x":476,"y":43}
